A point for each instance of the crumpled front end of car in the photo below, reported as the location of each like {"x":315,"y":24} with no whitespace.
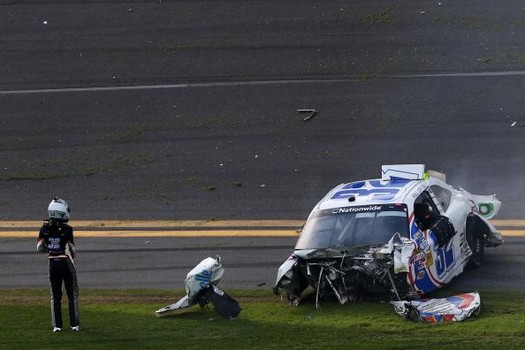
{"x":348,"y":274}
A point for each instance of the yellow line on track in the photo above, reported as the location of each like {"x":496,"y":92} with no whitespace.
{"x":508,"y":222}
{"x":160,"y":223}
{"x":194,"y":228}
{"x":168,"y":233}
{"x":512,"y":233}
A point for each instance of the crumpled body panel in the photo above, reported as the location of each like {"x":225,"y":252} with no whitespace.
{"x":450,"y":309}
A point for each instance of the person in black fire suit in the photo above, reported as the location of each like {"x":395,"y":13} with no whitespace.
{"x":56,"y":239}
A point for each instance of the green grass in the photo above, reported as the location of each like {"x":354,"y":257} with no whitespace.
{"x":125,"y":320}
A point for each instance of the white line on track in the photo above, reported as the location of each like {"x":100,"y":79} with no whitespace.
{"x":256,"y":82}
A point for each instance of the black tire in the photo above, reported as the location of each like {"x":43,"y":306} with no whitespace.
{"x":476,"y":243}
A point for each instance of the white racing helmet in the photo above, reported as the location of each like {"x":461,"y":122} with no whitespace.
{"x":58,"y":209}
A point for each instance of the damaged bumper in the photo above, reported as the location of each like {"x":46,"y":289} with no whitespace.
{"x":348,"y":275}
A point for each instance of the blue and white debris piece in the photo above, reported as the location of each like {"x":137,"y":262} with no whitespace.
{"x":201,"y":288}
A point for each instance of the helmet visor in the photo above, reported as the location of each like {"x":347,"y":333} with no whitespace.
{"x":56,"y":214}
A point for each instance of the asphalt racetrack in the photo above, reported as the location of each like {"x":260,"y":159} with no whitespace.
{"x":135,"y":255}
{"x":190,"y":110}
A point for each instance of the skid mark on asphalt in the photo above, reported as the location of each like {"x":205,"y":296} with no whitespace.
{"x":256,"y":83}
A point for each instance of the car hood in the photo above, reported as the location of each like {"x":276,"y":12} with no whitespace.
{"x":398,"y":248}
{"x":339,"y":252}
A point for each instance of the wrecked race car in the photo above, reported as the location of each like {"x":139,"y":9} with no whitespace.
{"x":406,"y":234}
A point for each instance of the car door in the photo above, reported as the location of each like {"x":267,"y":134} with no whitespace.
{"x":435,"y":259}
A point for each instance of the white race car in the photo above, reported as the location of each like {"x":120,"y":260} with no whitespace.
{"x":406,"y":234}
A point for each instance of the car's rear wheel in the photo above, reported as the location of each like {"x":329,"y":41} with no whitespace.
{"x":476,"y":243}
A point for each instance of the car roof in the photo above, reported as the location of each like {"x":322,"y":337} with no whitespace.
{"x":373,"y":191}
{"x":399,"y":183}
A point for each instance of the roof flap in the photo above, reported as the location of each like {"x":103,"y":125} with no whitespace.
{"x":403,"y":171}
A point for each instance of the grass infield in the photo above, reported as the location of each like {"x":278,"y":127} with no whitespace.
{"x":124,"y":319}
